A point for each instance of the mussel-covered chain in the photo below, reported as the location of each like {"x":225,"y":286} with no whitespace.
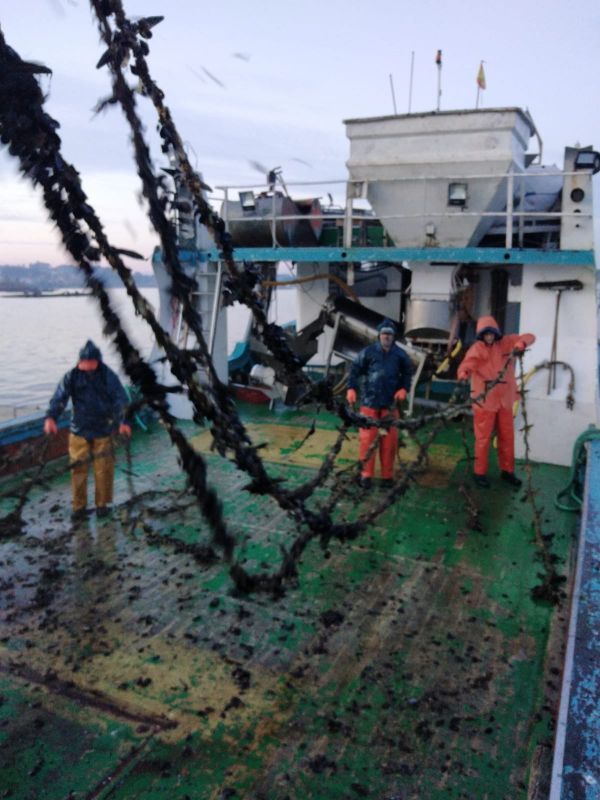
{"x":551,"y":585}
{"x":30,"y":135}
{"x":131,"y":36}
{"x":228,"y":430}
{"x":274,"y":581}
{"x":318,"y":522}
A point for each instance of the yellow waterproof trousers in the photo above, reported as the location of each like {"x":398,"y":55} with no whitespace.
{"x":101,"y":452}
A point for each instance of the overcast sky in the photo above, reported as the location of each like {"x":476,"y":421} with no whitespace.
{"x":271,"y":81}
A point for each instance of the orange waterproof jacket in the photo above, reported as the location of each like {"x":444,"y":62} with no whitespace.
{"x":483,"y":362}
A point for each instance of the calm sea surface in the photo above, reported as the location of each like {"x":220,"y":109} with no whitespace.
{"x":40,"y":339}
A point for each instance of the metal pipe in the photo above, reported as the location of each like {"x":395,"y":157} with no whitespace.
{"x":347,"y":232}
{"x":552,"y":370}
{"x":226,"y":208}
{"x":336,"y":181}
{"x":509,"y":210}
{"x":449,"y":215}
{"x":215,"y":307}
{"x":537,"y":135}
{"x":521,"y":219}
{"x":330,"y":354}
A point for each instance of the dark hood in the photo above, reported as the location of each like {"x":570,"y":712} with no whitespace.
{"x":89,"y":352}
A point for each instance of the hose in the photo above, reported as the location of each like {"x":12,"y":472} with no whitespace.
{"x":130,"y":396}
{"x":445,"y":365}
{"x":577,"y":465}
{"x":342,"y":284}
{"x":341,"y":384}
{"x":570,"y":399}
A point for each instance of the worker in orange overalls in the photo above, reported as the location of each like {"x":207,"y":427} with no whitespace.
{"x":483,"y":362}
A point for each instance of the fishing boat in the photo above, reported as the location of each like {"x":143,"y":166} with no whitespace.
{"x":432,"y":640}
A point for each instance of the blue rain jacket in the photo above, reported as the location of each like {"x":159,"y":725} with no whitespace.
{"x":99,"y":401}
{"x":382,"y":374}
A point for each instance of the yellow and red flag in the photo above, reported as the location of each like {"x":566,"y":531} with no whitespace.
{"x":481,"y":77}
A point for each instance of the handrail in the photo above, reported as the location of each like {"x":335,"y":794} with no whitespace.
{"x":458,"y":214}
{"x":549,"y":172}
{"x":347,"y":214}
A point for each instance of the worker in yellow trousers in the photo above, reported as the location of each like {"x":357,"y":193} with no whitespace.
{"x":99,"y":406}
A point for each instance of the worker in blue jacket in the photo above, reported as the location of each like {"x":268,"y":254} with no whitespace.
{"x":385,"y":371}
{"x":99,"y":404}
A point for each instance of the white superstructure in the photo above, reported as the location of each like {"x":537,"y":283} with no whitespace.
{"x":448,"y":216}
{"x":447,"y":180}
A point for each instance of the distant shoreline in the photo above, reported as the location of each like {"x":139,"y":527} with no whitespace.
{"x":42,"y":278}
{"x":38,"y":295}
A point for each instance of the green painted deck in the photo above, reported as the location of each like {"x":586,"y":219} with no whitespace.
{"x":408,"y":663}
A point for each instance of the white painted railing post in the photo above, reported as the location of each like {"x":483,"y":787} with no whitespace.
{"x":347,"y":237}
{"x":509,"y":210}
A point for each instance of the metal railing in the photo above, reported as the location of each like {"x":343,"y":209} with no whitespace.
{"x":358,"y":189}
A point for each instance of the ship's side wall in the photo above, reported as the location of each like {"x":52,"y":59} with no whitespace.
{"x":576,"y":767}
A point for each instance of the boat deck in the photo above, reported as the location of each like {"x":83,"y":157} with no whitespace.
{"x":411,"y":662}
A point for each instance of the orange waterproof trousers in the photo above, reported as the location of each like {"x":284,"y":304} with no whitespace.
{"x":81,"y":452}
{"x":484,"y":424}
{"x":388,"y":444}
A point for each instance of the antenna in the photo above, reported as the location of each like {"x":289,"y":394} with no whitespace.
{"x":410,"y":83}
{"x":438,"y":61}
{"x":393,"y":93}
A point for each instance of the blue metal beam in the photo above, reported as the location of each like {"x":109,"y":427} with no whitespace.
{"x":473,"y":255}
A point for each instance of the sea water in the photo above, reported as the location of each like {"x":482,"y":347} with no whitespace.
{"x":41,"y":336}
